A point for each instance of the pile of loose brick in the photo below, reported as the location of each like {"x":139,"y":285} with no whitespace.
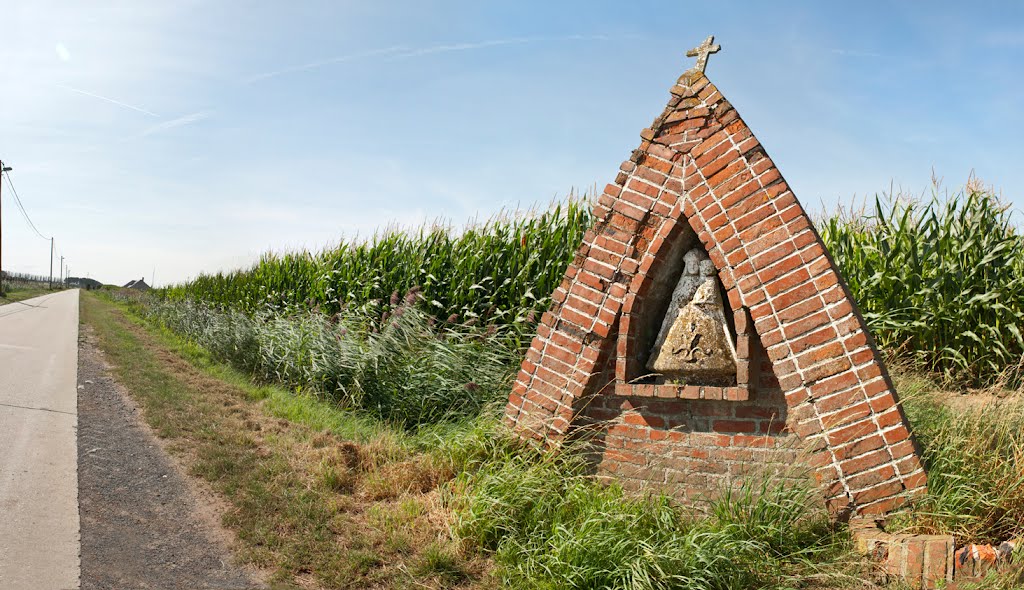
{"x":811,"y":389}
{"x":929,"y":561}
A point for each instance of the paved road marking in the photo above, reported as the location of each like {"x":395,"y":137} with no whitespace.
{"x":39,"y":528}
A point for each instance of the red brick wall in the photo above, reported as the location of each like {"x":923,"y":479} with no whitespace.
{"x":809,"y":369}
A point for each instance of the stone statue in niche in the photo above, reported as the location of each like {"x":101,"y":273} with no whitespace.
{"x":694,"y":345}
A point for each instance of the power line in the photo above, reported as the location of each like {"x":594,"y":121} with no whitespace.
{"x":21,"y":207}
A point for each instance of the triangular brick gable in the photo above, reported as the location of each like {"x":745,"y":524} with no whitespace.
{"x":807,"y":364}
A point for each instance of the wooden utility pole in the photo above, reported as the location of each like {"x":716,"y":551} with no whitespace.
{"x":3,"y":170}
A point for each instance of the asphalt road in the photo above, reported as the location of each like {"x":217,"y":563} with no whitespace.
{"x":39,"y":523}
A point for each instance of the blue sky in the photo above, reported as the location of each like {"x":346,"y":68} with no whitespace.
{"x":191,"y":136}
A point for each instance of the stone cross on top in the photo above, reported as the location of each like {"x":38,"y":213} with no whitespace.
{"x":702,"y":51}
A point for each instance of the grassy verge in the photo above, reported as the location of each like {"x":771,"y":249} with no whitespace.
{"x":549,"y":526}
{"x":334,"y":495}
{"x":20,"y":292}
{"x":318,"y":495}
{"x":325,"y":494}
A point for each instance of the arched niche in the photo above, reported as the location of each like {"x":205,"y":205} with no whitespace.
{"x":643,"y":325}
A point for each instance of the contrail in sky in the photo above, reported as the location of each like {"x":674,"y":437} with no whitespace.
{"x":400,"y":52}
{"x":325,"y":62}
{"x":110,"y":100}
{"x":179,"y":122}
{"x":495,"y":43}
{"x":464,"y":46}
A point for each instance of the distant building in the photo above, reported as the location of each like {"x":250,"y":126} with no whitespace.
{"x":139,"y":284}
{"x":84,"y":283}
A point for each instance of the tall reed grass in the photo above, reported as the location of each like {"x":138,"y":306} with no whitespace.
{"x":396,"y":365}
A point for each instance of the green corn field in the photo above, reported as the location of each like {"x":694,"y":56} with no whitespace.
{"x":502,"y":271}
{"x":940,"y":282}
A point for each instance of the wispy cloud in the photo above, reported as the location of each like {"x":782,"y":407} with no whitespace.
{"x":62,"y":52}
{"x":1010,"y":38}
{"x":110,"y":100}
{"x":179,"y":122}
{"x":399,"y":52}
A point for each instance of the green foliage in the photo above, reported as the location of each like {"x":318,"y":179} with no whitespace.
{"x":942,"y":281}
{"x":550,"y":526}
{"x":502,"y":271}
{"x":397,"y":367}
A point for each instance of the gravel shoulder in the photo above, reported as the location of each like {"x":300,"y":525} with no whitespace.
{"x":143,"y":524}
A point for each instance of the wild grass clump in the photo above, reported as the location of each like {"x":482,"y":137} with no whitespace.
{"x":501,"y":271}
{"x":941,"y":281}
{"x":550,"y":526}
{"x":396,"y":365}
{"x":974,"y":456}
